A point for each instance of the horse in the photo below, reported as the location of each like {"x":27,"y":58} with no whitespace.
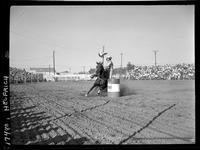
{"x":102,"y":78}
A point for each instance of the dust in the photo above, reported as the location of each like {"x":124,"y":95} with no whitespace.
{"x":125,"y":90}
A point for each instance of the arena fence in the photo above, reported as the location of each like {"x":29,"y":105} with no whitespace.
{"x":23,"y":76}
{"x":73,"y":77}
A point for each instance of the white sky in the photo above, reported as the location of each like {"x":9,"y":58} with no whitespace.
{"x":78,"y":33}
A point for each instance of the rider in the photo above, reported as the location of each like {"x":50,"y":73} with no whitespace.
{"x":108,"y":66}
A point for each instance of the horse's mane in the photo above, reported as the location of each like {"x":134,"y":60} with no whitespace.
{"x":100,"y":72}
{"x":99,"y":69}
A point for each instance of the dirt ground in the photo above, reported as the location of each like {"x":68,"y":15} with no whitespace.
{"x":58,"y":113}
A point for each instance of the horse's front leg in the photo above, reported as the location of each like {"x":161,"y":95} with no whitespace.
{"x":90,"y":90}
{"x":99,"y":92}
{"x":102,"y":87}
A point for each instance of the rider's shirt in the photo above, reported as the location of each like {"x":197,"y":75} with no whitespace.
{"x":108,"y":65}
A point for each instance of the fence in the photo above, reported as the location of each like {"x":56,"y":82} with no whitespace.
{"x":73,"y":77}
{"x":22,"y":76}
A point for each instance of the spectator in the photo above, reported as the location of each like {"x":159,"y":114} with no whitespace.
{"x":165,"y":72}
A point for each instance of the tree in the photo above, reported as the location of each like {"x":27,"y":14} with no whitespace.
{"x":92,"y":71}
{"x":119,"y":70}
{"x":66,"y":71}
{"x":130,"y":66}
{"x":81,"y":72}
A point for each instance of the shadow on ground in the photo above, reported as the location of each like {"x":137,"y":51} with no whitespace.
{"x":125,"y":90}
{"x":31,"y":127}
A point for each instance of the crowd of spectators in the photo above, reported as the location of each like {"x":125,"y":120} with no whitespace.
{"x":159,"y":72}
{"x":162,"y":72}
{"x":17,"y":75}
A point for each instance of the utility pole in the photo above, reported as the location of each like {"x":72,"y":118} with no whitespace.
{"x":49,"y":69}
{"x":84,"y":69}
{"x":54,"y":69}
{"x":155,"y":55}
{"x":121,"y":58}
{"x":103,"y":55}
{"x":121,"y":65}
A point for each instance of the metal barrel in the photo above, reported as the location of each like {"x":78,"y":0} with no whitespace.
{"x":113,"y":88}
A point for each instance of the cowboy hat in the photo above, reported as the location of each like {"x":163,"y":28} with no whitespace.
{"x":102,"y":54}
{"x":108,"y":57}
{"x":99,"y":62}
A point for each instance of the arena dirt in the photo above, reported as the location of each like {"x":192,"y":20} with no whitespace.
{"x":148,"y":112}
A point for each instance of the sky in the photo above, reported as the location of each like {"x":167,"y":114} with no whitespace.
{"x":78,"y":33}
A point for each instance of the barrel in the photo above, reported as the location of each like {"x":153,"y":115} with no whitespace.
{"x":113,"y":88}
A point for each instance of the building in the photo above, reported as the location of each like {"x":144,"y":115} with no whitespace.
{"x":43,"y":70}
{"x":48,"y":73}
{"x":70,"y":76}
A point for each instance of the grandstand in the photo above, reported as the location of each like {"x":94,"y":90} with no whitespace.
{"x":160,"y":72}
